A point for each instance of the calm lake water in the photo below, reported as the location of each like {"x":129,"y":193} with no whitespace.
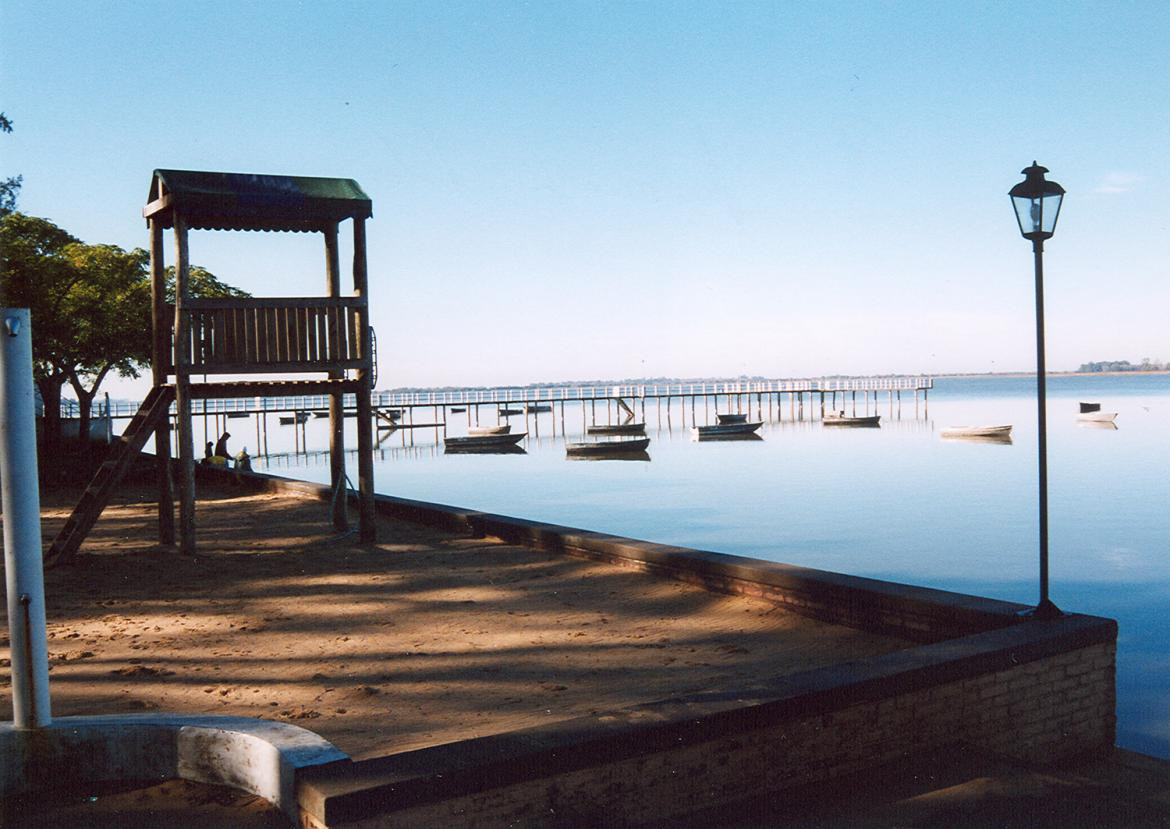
{"x":896,"y":503}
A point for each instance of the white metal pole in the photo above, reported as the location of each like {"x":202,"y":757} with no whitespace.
{"x":22,"y":524}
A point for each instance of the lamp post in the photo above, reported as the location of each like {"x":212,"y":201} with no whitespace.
{"x":1037,"y":205}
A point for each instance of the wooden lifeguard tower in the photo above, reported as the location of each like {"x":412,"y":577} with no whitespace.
{"x":327,"y":335}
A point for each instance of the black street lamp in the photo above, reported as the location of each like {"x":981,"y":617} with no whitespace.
{"x":1037,"y":204}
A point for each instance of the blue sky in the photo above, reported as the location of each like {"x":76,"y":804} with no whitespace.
{"x":602,"y":190}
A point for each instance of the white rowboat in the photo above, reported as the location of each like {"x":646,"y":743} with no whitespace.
{"x":976,"y":432}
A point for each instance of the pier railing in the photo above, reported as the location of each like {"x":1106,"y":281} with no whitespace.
{"x":550,"y":394}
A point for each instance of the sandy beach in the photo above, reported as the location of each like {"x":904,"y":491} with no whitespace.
{"x":422,"y":638}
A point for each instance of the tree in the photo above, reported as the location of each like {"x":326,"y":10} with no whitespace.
{"x":9,"y":187}
{"x":109,"y":304}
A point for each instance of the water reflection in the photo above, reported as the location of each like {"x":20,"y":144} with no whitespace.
{"x":1002,"y":440}
{"x":610,"y":456}
{"x":1103,"y":425}
{"x":704,"y":438}
{"x":489,"y":449}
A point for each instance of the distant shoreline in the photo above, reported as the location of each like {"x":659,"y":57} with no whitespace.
{"x":1054,"y":374}
{"x":673,"y":381}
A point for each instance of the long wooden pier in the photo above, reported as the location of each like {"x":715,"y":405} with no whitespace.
{"x":797,"y":390}
{"x":767,"y":399}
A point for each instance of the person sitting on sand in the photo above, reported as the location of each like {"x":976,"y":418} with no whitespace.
{"x":221,"y":449}
{"x":208,"y":454}
{"x":243,"y":461}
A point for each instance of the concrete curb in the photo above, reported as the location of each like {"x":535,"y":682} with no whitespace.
{"x":257,"y":756}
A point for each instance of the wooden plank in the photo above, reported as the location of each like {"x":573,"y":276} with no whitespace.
{"x":162,"y":358}
{"x":327,"y":346}
{"x":239,"y":352}
{"x":270,"y":354}
{"x":159,"y":205}
{"x":289,"y":327}
{"x":276,"y":368}
{"x":167,"y":342}
{"x":230,"y":339}
{"x":220,"y":303}
{"x":311,"y":334}
{"x":219,"y":336}
{"x":275,"y":352}
{"x":202,"y":342}
{"x":302,"y":315}
{"x":354,"y":333}
{"x":271,"y":388}
{"x":182,"y":392}
{"x":272,"y":334}
{"x":251,"y":347}
{"x":336,"y":334}
{"x":365,"y":427}
{"x":258,"y":352}
{"x":311,"y":351}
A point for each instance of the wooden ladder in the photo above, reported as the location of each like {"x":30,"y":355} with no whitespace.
{"x":122,"y":454}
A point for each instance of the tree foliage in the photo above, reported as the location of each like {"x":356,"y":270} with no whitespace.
{"x":35,"y":274}
{"x":109,"y":305}
{"x":9,"y":187}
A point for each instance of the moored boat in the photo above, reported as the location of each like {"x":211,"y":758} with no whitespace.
{"x":976,"y":431}
{"x":842,"y":419}
{"x":1091,"y":413}
{"x":617,"y":429}
{"x":726,"y":429}
{"x":607,"y":447}
{"x":483,"y":441}
{"x":729,"y":417}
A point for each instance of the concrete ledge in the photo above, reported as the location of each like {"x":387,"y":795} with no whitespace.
{"x":257,"y":756}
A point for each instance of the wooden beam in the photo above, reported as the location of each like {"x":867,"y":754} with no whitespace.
{"x":200,"y":367}
{"x":365,"y":426}
{"x":159,"y":362}
{"x":183,"y":392}
{"x":336,"y":410}
{"x":160,"y":205}
{"x":270,"y":388}
{"x":226,"y":303}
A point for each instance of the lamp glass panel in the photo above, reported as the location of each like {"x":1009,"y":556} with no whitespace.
{"x":1050,"y":210}
{"x":1028,"y":213}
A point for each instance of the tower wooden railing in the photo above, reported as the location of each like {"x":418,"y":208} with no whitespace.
{"x":240,"y":335}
